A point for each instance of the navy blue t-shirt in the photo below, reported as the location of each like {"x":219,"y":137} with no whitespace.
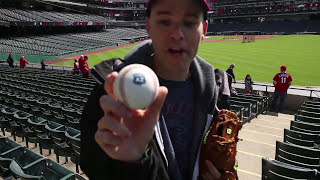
{"x":178,"y":111}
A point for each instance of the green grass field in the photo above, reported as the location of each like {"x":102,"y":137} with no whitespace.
{"x":261,"y":59}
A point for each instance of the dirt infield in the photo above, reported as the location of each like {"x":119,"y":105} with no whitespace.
{"x":239,"y":38}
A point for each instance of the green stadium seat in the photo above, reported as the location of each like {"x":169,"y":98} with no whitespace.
{"x":310,"y":109}
{"x":247,"y":108}
{"x":309,"y":113}
{"x":238,"y":110}
{"x":299,"y":138}
{"x":73,"y":138}
{"x":307,"y":119}
{"x":43,"y":170}
{"x":305,"y":127}
{"x":298,"y":155}
{"x":276,"y":170}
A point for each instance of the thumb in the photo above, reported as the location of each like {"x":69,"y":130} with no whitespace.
{"x":155,"y":108}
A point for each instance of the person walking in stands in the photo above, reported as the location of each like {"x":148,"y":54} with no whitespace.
{"x":75,"y":67}
{"x":163,"y":141}
{"x":23,"y":62}
{"x":43,"y":65}
{"x":230,"y":72}
{"x":248,"y":84}
{"x":85,"y":68}
{"x":281,"y":81}
{"x":10,"y":61}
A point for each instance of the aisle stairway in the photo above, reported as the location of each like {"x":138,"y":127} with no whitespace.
{"x":259,"y":140}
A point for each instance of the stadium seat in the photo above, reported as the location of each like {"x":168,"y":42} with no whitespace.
{"x":61,"y":146}
{"x":298,"y":155}
{"x":309,"y":113}
{"x":305,"y":127}
{"x":307,"y":119}
{"x":276,"y":170}
{"x":73,"y":138}
{"x":247,"y":108}
{"x":238,"y":110}
{"x":299,"y":138}
{"x":43,"y":170}
{"x":7,"y":114}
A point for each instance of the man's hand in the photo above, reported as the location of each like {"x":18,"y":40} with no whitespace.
{"x":212,"y":174}
{"x":122,"y":133}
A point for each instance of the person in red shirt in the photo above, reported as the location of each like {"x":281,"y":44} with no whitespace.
{"x":81,"y":63}
{"x":23,"y":62}
{"x":85,"y":67}
{"x":281,"y":81}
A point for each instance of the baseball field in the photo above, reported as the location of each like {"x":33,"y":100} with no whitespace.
{"x":261,"y":59}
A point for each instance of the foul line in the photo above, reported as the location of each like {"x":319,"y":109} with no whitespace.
{"x":248,"y":172}
{"x":261,"y":133}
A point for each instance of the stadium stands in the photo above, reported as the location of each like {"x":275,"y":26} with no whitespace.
{"x":298,"y":156}
{"x":49,"y":98}
{"x":62,"y":44}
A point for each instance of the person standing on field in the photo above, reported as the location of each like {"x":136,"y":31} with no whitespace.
{"x":281,"y":81}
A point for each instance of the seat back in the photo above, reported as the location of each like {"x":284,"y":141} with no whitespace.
{"x":298,"y":155}
{"x":305,"y":127}
{"x":299,"y":138}
{"x":276,"y":170}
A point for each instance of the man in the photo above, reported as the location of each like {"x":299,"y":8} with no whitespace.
{"x":85,"y":67}
{"x":23,"y":62}
{"x":81,"y":63}
{"x":281,"y":81}
{"x":43,"y":65}
{"x":10,"y":61}
{"x":75,"y":67}
{"x":163,"y":141}
{"x":230,"y":72}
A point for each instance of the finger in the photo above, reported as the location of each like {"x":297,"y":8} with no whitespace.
{"x":110,"y":123}
{"x":213,"y":171}
{"x":104,"y":138}
{"x":108,"y":84}
{"x":155,"y":108}
{"x":108,"y":104}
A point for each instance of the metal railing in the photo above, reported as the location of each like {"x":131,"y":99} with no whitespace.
{"x":303,"y":91}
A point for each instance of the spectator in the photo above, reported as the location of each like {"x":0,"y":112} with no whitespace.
{"x":163,"y":141}
{"x":81,"y":63}
{"x":281,"y":81}
{"x":43,"y":66}
{"x":230,"y":72}
{"x":23,"y":62}
{"x":248,"y":84}
{"x":86,"y":68}
{"x":75,"y":69}
{"x":10,"y":61}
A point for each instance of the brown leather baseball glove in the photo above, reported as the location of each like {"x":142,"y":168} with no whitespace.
{"x":220,"y":144}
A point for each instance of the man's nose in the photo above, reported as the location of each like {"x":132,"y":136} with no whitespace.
{"x":177,"y":33}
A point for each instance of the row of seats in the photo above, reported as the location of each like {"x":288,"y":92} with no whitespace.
{"x":248,"y":106}
{"x":62,"y":44}
{"x":13,"y":15}
{"x":41,"y":119}
{"x":298,"y":156}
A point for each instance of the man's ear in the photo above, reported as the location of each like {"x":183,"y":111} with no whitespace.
{"x":148,"y":25}
{"x":205,"y":29}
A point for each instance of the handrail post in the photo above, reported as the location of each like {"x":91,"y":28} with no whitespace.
{"x":311,"y":93}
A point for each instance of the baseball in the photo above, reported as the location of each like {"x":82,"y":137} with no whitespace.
{"x":136,"y":86}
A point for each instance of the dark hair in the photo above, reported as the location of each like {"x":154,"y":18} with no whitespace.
{"x":154,"y":2}
{"x":247,"y":77}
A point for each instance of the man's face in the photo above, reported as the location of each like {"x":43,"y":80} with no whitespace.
{"x":176,"y":28}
